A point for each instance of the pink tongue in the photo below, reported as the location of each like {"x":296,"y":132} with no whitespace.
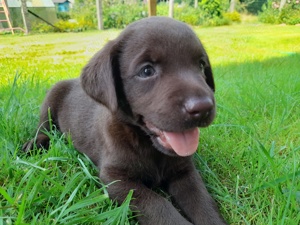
{"x":184,"y":143}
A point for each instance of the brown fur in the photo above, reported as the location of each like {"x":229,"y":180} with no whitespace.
{"x":105,"y":112}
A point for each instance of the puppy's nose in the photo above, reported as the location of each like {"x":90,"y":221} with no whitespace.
{"x":199,"y":107}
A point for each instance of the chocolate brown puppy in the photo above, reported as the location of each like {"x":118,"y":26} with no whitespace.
{"x":135,"y":111}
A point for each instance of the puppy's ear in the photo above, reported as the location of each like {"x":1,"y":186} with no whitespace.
{"x":209,"y":75}
{"x":97,"y":77}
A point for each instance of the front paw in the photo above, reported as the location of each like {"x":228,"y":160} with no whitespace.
{"x":42,"y":141}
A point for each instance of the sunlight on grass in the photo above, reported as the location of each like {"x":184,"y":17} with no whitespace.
{"x":249,"y":43}
{"x":249,"y":157}
{"x":50,"y":57}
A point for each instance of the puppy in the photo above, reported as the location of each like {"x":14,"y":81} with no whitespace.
{"x":135,"y":111}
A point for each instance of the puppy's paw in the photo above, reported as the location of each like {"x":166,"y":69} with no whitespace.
{"x":42,"y":141}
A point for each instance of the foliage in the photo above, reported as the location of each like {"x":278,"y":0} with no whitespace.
{"x":290,"y":13}
{"x":232,"y":16}
{"x":62,"y":26}
{"x":85,"y":13}
{"x":40,"y":27}
{"x":269,"y":15}
{"x":217,"y":21}
{"x":82,"y":17}
{"x":212,"y":8}
{"x":213,"y":13}
{"x":63,"y":15}
{"x":187,"y":2}
{"x":253,"y":6}
{"x":182,"y":12}
{"x":115,"y":14}
{"x":120,"y":15}
{"x":196,"y":16}
{"x":72,"y":25}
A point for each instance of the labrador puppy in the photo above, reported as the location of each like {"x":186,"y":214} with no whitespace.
{"x":135,"y":111}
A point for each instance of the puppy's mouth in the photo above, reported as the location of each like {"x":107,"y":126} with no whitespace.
{"x":183,"y":143}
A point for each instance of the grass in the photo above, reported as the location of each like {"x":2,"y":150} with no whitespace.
{"x":249,"y":158}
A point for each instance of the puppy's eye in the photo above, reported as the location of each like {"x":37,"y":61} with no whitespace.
{"x":202,"y":65}
{"x":146,"y":71}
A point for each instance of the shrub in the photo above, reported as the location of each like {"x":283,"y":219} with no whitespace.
{"x":195,"y":16}
{"x":217,"y":21}
{"x":120,"y":15}
{"x":84,"y":12}
{"x":63,"y":15}
{"x":41,"y":27}
{"x":162,"y":9}
{"x":188,"y":14}
{"x":212,"y":13}
{"x":71,"y":26}
{"x":270,"y":13}
{"x":290,"y":14}
{"x":212,"y":8}
{"x":232,"y":16}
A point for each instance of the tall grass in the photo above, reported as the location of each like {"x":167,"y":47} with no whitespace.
{"x":249,"y":158}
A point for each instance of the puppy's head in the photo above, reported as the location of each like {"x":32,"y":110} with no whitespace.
{"x":158,"y":74}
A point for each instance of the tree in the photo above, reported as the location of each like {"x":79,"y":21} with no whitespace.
{"x":171,"y":8}
{"x":25,"y":16}
{"x":99,"y":14}
{"x":282,"y":3}
{"x":152,"y":7}
{"x":232,"y":6}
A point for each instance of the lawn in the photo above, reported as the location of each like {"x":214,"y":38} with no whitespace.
{"x":249,"y":158}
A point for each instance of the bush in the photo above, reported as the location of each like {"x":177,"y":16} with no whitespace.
{"x":212,"y":13}
{"x":290,"y":14}
{"x":162,"y":9}
{"x":217,"y":21}
{"x":40,"y":27}
{"x":71,"y":26}
{"x":84,"y":12}
{"x":61,"y":26}
{"x":212,"y":8}
{"x":269,"y":15}
{"x":196,"y":16}
{"x":187,"y":14}
{"x":63,"y":15}
{"x":120,"y":15}
{"x":234,"y":16}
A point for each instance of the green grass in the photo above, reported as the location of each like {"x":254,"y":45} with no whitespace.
{"x":249,"y":158}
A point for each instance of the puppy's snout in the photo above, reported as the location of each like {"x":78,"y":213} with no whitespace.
{"x":199,"y":108}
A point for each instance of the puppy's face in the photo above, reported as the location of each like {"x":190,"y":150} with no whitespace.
{"x":163,"y":81}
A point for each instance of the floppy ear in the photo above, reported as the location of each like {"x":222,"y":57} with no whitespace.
{"x":97,"y":77}
{"x":209,"y":75}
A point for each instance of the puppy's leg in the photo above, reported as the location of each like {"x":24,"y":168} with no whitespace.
{"x":52,"y":105}
{"x":194,"y":200}
{"x":41,"y":140}
{"x":153,"y":208}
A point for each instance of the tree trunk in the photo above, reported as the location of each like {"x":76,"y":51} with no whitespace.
{"x":232,"y":6}
{"x":171,"y":8}
{"x":282,"y":3}
{"x":99,"y":14}
{"x":152,"y":7}
{"x":25,"y":16}
{"x":196,"y":4}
